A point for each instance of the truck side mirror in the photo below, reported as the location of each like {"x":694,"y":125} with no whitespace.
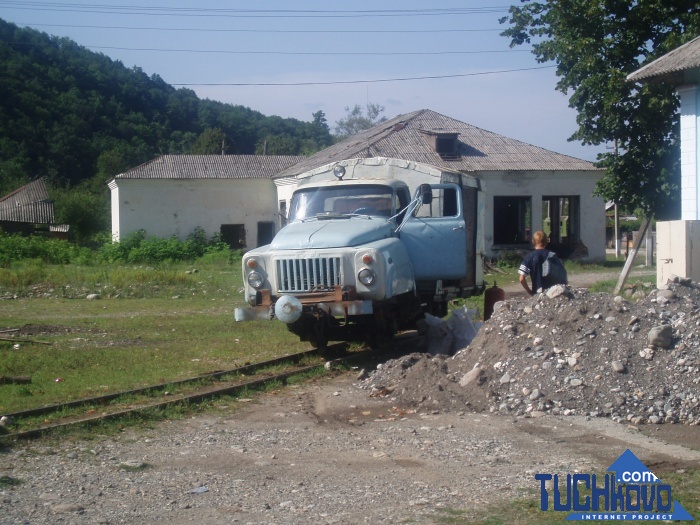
{"x":426,"y":192}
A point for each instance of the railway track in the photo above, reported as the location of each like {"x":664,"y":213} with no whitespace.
{"x":158,"y":397}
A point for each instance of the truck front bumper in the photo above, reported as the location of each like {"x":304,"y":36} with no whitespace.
{"x":341,"y":309}
{"x":339,"y":302}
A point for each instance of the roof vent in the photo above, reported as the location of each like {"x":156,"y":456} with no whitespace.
{"x":445,"y":144}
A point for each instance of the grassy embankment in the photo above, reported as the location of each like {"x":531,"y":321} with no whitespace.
{"x":151,"y":324}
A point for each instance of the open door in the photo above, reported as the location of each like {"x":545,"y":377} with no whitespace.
{"x":436,"y":237}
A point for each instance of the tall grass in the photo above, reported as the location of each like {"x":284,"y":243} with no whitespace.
{"x":139,"y":266}
{"x":134,"y":248}
{"x":137,"y":248}
{"x":14,"y":248}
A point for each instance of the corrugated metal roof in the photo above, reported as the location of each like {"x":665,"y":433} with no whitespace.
{"x":211,"y":167}
{"x":405,"y":137}
{"x":684,"y":57}
{"x":30,"y":204}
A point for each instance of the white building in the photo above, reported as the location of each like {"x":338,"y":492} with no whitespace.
{"x":172,"y":195}
{"x":678,"y":242}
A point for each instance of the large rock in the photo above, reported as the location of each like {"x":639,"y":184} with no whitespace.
{"x":474,"y":375}
{"x":660,"y":336}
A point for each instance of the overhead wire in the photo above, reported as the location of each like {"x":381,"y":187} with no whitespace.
{"x":334,"y":31}
{"x":400,"y":79}
{"x":245,"y":13}
{"x":313,"y":53}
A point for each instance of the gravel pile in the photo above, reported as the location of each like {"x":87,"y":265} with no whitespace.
{"x":568,"y":352}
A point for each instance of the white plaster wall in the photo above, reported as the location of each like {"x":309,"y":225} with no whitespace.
{"x":690,"y":152}
{"x":166,"y":207}
{"x":114,"y":203}
{"x":285,"y":188}
{"x":677,"y":250}
{"x":541,"y":184}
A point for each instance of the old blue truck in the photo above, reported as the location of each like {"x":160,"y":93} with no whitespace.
{"x":370,"y":246}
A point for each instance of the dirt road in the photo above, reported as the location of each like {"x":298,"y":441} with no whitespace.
{"x":317,"y":454}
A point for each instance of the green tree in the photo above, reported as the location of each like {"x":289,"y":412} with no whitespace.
{"x":212,"y":141}
{"x":282,"y":144}
{"x":85,"y":208}
{"x":595,"y":45}
{"x":71,"y":115}
{"x":320,"y":131}
{"x":358,"y":119}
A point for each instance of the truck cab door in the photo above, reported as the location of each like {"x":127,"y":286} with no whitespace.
{"x":436,"y":236}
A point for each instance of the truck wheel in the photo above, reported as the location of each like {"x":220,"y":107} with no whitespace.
{"x":312,"y":331}
{"x":437,"y":308}
{"x":318,"y":338}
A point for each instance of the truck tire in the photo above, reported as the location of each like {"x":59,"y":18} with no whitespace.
{"x":437,"y":308}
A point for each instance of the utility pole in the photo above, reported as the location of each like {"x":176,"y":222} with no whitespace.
{"x":617,"y":231}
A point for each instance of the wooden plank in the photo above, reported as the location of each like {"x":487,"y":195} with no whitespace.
{"x":16,"y":380}
{"x":632,"y":255}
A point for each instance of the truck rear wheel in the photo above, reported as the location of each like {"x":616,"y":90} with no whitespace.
{"x":437,"y":308}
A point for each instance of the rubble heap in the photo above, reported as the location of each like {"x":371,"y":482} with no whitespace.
{"x":567,"y":352}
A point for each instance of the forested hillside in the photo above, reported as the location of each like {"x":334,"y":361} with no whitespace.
{"x":79,"y":117}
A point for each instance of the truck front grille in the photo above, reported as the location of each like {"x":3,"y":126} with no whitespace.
{"x":303,"y":275}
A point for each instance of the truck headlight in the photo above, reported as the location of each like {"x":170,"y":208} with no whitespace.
{"x":255,"y":280}
{"x":366,"y":276}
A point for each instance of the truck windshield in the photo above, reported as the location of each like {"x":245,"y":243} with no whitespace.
{"x":342,"y":202}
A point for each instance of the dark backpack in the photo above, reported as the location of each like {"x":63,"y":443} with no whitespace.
{"x":553,"y":271}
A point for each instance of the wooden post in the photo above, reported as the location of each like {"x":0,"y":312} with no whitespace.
{"x":17,"y":380}
{"x":632,"y":255}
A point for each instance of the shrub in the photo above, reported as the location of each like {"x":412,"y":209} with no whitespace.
{"x":51,"y":251}
{"x":509,"y":259}
{"x":134,"y":248}
{"x":137,"y":248}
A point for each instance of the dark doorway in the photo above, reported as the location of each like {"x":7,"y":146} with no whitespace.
{"x":561,"y":217}
{"x":266,"y":231}
{"x":511,"y":220}
{"x":233,"y":235}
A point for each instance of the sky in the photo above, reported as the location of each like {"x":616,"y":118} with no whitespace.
{"x":293,"y":59}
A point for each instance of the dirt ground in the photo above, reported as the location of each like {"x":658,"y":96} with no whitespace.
{"x":320,"y":453}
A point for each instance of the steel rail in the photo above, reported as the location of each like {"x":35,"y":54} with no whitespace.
{"x":194,"y":397}
{"x":106,"y":398}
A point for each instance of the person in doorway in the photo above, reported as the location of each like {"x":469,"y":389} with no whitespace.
{"x":532,"y":263}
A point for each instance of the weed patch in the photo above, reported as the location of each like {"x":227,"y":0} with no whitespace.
{"x":8,"y":481}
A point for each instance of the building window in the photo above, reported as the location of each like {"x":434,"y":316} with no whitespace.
{"x":511,"y":220}
{"x":283,"y":213}
{"x":233,"y":235}
{"x":561,"y":222}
